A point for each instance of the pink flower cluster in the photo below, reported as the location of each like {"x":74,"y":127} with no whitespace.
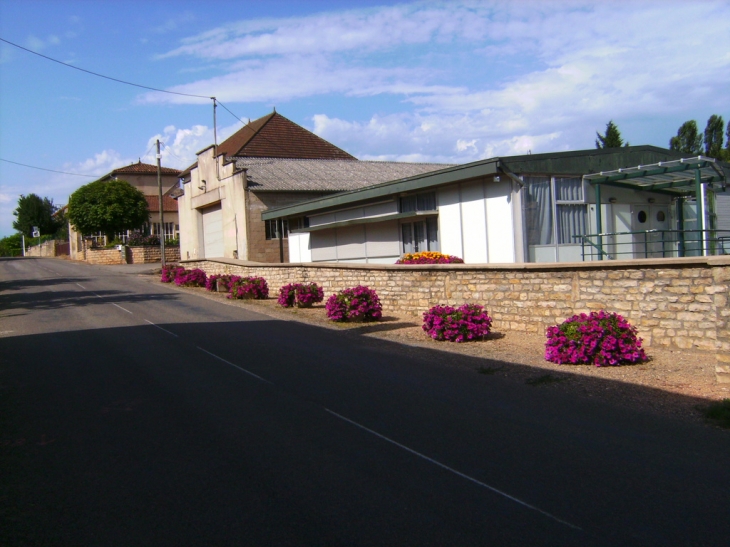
{"x":468,"y":322}
{"x":224,"y":280}
{"x":600,"y":339}
{"x":169,"y":272}
{"x":190,"y":278}
{"x":249,"y":287}
{"x":356,"y":303}
{"x":300,"y":294}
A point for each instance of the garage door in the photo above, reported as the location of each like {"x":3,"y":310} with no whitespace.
{"x":213,"y":232}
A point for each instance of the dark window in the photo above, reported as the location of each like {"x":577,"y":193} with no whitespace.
{"x":272,"y":228}
{"x":418,"y":202}
{"x":420,"y":236}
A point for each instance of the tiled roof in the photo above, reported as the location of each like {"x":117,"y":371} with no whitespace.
{"x":140,"y":168}
{"x":274,"y":136}
{"x":302,"y":175}
{"x":153,"y":202}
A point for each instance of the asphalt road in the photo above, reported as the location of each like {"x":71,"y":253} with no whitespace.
{"x":132,"y":413}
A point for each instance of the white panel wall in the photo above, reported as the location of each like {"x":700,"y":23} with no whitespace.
{"x":382,"y":240}
{"x":450,"y":221}
{"x":500,"y":231}
{"x":388,"y":208}
{"x":323,"y":244}
{"x":351,"y":242}
{"x":474,"y":223}
{"x":299,"y":250}
{"x":317,"y":220}
{"x":349,"y":214}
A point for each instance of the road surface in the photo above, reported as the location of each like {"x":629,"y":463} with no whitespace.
{"x":132,"y":413}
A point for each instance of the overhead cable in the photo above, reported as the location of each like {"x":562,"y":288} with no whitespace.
{"x":51,"y":170}
{"x":102,"y":75}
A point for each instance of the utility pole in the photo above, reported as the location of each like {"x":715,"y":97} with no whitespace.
{"x":162,"y":208}
{"x":215,"y":139}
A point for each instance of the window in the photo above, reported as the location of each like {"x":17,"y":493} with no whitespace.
{"x":272,"y":228}
{"x":420,"y":236}
{"x":418,"y":202}
{"x":558,"y":198}
{"x":572,"y":211}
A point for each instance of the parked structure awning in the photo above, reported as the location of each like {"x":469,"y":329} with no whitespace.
{"x":675,"y":177}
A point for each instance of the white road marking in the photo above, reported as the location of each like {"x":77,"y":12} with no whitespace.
{"x":6,"y":331}
{"x":235,"y":366}
{"x":80,"y":285}
{"x":118,"y":306}
{"x":459,"y":473}
{"x":159,"y":327}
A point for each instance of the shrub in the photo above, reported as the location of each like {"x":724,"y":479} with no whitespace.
{"x":429,"y":257}
{"x":600,"y":338}
{"x":468,"y":322}
{"x":136,"y":239}
{"x":223,"y":279}
{"x":190,"y":278}
{"x":169,"y":272}
{"x":357,"y":303}
{"x":249,"y":287}
{"x":300,"y":294}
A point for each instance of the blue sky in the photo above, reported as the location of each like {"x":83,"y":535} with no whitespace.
{"x":412,"y":81}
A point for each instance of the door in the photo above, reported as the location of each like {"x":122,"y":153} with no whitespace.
{"x":213,"y":232}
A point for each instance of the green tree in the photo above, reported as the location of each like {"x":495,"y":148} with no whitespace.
{"x":713,"y":136}
{"x":611,"y":139}
{"x":11,"y":245}
{"x":108,"y":207}
{"x":688,"y":139}
{"x":32,"y":211}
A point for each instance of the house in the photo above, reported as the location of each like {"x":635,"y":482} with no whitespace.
{"x":143,"y":176}
{"x":270,"y":162}
{"x":532,"y":208}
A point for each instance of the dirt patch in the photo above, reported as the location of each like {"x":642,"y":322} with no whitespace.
{"x":672,"y":382}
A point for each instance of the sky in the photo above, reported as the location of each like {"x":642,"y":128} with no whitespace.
{"x":423,"y":81}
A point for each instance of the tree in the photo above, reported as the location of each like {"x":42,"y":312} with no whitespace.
{"x":612,"y":138}
{"x":688,"y":139}
{"x":11,"y":245}
{"x":108,"y":207}
{"x":33,"y":211}
{"x":713,"y":136}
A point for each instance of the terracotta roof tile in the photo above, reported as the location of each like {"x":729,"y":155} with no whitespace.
{"x":153,"y":202}
{"x":274,"y":136}
{"x":143,"y":168}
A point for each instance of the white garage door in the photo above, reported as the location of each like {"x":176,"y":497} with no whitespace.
{"x":213,"y":232}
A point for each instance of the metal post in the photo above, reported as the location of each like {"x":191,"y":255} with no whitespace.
{"x":599,"y":222}
{"x":700,"y":199}
{"x":162,"y":214}
{"x":23,"y":238}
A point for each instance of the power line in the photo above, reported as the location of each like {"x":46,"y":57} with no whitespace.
{"x":51,"y":170}
{"x":102,"y":75}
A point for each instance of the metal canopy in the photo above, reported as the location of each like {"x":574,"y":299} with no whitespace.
{"x":674,"y":177}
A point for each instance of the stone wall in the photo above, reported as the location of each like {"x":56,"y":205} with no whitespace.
{"x":145,"y":254}
{"x":45,"y":249}
{"x":680,"y":303}
{"x":105,"y":256}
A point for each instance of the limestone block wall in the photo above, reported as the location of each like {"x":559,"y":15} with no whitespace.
{"x":45,"y":249}
{"x":105,"y":256}
{"x":145,"y":254}
{"x":680,"y":303}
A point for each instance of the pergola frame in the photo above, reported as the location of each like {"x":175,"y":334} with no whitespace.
{"x":679,"y":178}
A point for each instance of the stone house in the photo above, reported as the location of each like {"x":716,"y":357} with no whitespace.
{"x":270,"y":162}
{"x":143,"y":176}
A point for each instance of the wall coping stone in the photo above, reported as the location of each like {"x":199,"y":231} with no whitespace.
{"x":708,"y":261}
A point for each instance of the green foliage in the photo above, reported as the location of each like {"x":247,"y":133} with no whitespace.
{"x":32,"y":211}
{"x":713,"y":136}
{"x":611,"y":139}
{"x":11,"y":245}
{"x":107,"y":206}
{"x":688,"y":139}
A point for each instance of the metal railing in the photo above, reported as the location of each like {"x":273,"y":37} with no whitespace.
{"x":654,"y":244}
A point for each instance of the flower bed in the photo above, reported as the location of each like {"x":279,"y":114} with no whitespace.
{"x":220,"y":282}
{"x":468,"y":322}
{"x":190,"y":278}
{"x":303,"y":295}
{"x":429,"y":257}
{"x":354,"y":304}
{"x":249,"y":288}
{"x":600,"y":339}
{"x":169,"y":272}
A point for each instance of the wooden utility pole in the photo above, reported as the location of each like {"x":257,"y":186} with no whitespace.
{"x":162,"y":208}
